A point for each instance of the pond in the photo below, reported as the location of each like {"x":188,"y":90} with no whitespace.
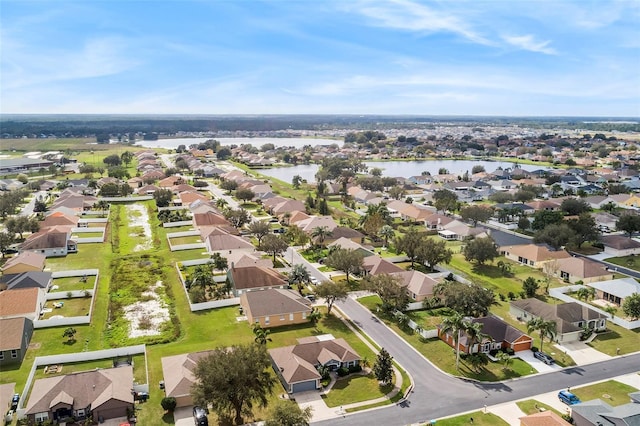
{"x":398,"y":168}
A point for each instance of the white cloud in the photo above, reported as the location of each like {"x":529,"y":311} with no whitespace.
{"x":528,"y":42}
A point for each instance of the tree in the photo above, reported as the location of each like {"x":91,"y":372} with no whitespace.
{"x":314,"y":316}
{"x":445,"y":200}
{"x":410,"y":244}
{"x":546,"y":328}
{"x":218,"y":262}
{"x":574,"y":206}
{"x":550,"y":268}
{"x":477,"y":169}
{"x":168,"y":403}
{"x":476,"y":214}
{"x":332,"y":291}
{"x":530,"y":286}
{"x":298,"y":275}
{"x":202,"y":276}
{"x":387,"y":232}
{"x":288,"y":413}
{"x":544,"y":218}
{"x":70,"y":334}
{"x":274,"y":245}
{"x":229,"y":185}
{"x":261,"y":334}
{"x":233,"y":379}
{"x":126,"y":157}
{"x":296,"y":181}
{"x":323,"y":207}
{"x":112,"y":160}
{"x":628,"y":223}
{"x":454,"y":324}
{"x":296,"y":236}
{"x":504,"y":358}
{"x":586,"y":293}
{"x":21,"y":224}
{"x":319,"y":234}
{"x":584,"y":229}
{"x":223,"y":153}
{"x":433,"y":252}
{"x":245,"y":195}
{"x":631,"y":306}
{"x":467,"y":299}
{"x":259,"y":229}
{"x":6,"y":240}
{"x":389,"y":287}
{"x":555,"y":235}
{"x":480,"y":250}
{"x":524,"y":223}
{"x":163,"y":197}
{"x":348,"y":261}
{"x":237,"y":217}
{"x":383,"y":367}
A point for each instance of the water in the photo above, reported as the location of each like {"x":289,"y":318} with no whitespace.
{"x":398,"y":168}
{"x":257,"y":142}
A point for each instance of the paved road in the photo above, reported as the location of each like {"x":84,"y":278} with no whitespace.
{"x":27,"y":210}
{"x":437,"y":394}
{"x":612,"y":266}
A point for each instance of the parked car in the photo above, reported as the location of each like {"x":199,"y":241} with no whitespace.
{"x":544,"y":357}
{"x":14,"y":401}
{"x":310,"y":297}
{"x":568,"y":398}
{"x":200,"y":416}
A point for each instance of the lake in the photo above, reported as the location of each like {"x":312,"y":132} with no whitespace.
{"x":257,"y":142}
{"x":398,"y":168}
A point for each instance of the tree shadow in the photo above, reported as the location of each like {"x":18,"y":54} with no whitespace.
{"x":69,"y":342}
{"x":167,"y":418}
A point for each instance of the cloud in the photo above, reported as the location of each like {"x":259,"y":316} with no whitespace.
{"x":408,"y":16}
{"x":528,"y":42}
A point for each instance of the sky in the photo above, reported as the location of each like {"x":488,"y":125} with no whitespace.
{"x":450,"y":57}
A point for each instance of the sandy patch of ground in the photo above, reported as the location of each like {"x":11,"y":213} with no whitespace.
{"x":146,"y":317}
{"x":139,"y":219}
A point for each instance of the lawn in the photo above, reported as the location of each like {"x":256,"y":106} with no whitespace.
{"x":616,"y":337}
{"x":631,"y":262}
{"x":475,"y":418}
{"x":76,"y":307}
{"x":186,"y":240}
{"x":355,"y":388}
{"x":73,"y":283}
{"x":86,"y":234}
{"x":139,"y":368}
{"x":531,"y":406}
{"x":612,"y":392}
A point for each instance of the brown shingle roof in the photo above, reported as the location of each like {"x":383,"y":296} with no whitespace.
{"x":563,"y":314}
{"x":256,"y":277}
{"x":581,"y":267}
{"x":273,"y":301}
{"x":48,"y":238}
{"x":11,"y":333}
{"x":18,"y":302}
{"x":535,"y":252}
{"x":544,"y":418}
{"x":32,"y":259}
{"x":178,"y":372}
{"x":619,"y":242}
{"x":375,"y":265}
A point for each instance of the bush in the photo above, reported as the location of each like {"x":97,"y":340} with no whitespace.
{"x":168,"y":403}
{"x":503,"y":298}
{"x":355,"y":369}
{"x":534,"y":349}
{"x":342,"y":372}
{"x":509,"y":351}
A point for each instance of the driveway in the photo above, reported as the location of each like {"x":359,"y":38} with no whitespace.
{"x":582,"y":353}
{"x":183,"y":416}
{"x":541,"y":367}
{"x":314,"y":400}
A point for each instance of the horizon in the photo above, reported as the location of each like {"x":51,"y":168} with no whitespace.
{"x":361,"y":58}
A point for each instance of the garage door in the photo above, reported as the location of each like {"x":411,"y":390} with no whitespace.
{"x":304,"y":386}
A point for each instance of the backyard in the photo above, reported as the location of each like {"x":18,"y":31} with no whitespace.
{"x":72,"y":283}
{"x":70,"y":307}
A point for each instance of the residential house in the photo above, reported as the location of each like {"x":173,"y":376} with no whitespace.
{"x":313,"y":222}
{"x":58,"y":218}
{"x":24,"y":262}
{"x":543,"y":205}
{"x":188,"y":197}
{"x":616,"y":291}
{"x":24,"y":302}
{"x":241,"y":259}
{"x":619,"y":245}
{"x":570,"y":318}
{"x":15,"y":335}
{"x":171,"y":181}
{"x":598,"y":413}
{"x":275,"y":307}
{"x":288,"y":206}
{"x":460,"y":231}
{"x":498,"y":335}
{"x":375,"y":265}
{"x":147,"y":190}
{"x":253,"y":278}
{"x":605,"y":220}
{"x":347,"y":244}
{"x":532,"y":254}
{"x":51,"y":242}
{"x":632,"y":202}
{"x":419,"y":285}
{"x":437,"y":221}
{"x":296,"y":366}
{"x":209,"y":218}
{"x":179,"y":377}
{"x":574,"y":269}
{"x":101,"y":394}
{"x":218,"y":240}
{"x":543,"y":418}
{"x":29,"y":279}
{"x":342,"y":232}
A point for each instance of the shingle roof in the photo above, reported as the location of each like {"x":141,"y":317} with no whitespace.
{"x":28,"y":279}
{"x":535,"y":252}
{"x":581,"y":267}
{"x":273,"y":301}
{"x":544,"y":418}
{"x":564,"y":314}
{"x":619,"y":242}
{"x":19,"y":302}
{"x":11,"y":333}
{"x":499,"y":330}
{"x":375,"y":265}
{"x":48,"y":238}
{"x":256,"y":277}
{"x":178,"y":372}
{"x":33,"y":259}
{"x":417,"y":282}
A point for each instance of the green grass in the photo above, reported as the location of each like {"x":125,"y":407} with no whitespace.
{"x":612,"y":392}
{"x":355,"y":388}
{"x":186,"y":240}
{"x":479,"y":418}
{"x":631,"y":262}
{"x":139,"y":368}
{"x":531,"y":406}
{"x":76,"y":307}
{"x":87,"y":234}
{"x":616,"y":337}
{"x":73,"y":283}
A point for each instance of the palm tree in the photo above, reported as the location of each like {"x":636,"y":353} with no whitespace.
{"x":298,"y":275}
{"x":221,"y":203}
{"x":262,"y":334}
{"x":505,"y":358}
{"x":320,"y":233}
{"x":454,"y":324}
{"x":586,"y":293}
{"x":474,"y":333}
{"x":314,"y":316}
{"x":546,"y":328}
{"x":387,"y":232}
{"x":202,"y":276}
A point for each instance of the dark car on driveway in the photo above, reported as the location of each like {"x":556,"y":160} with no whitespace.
{"x":543,"y":357}
{"x":200,"y":416}
{"x":14,"y":401}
